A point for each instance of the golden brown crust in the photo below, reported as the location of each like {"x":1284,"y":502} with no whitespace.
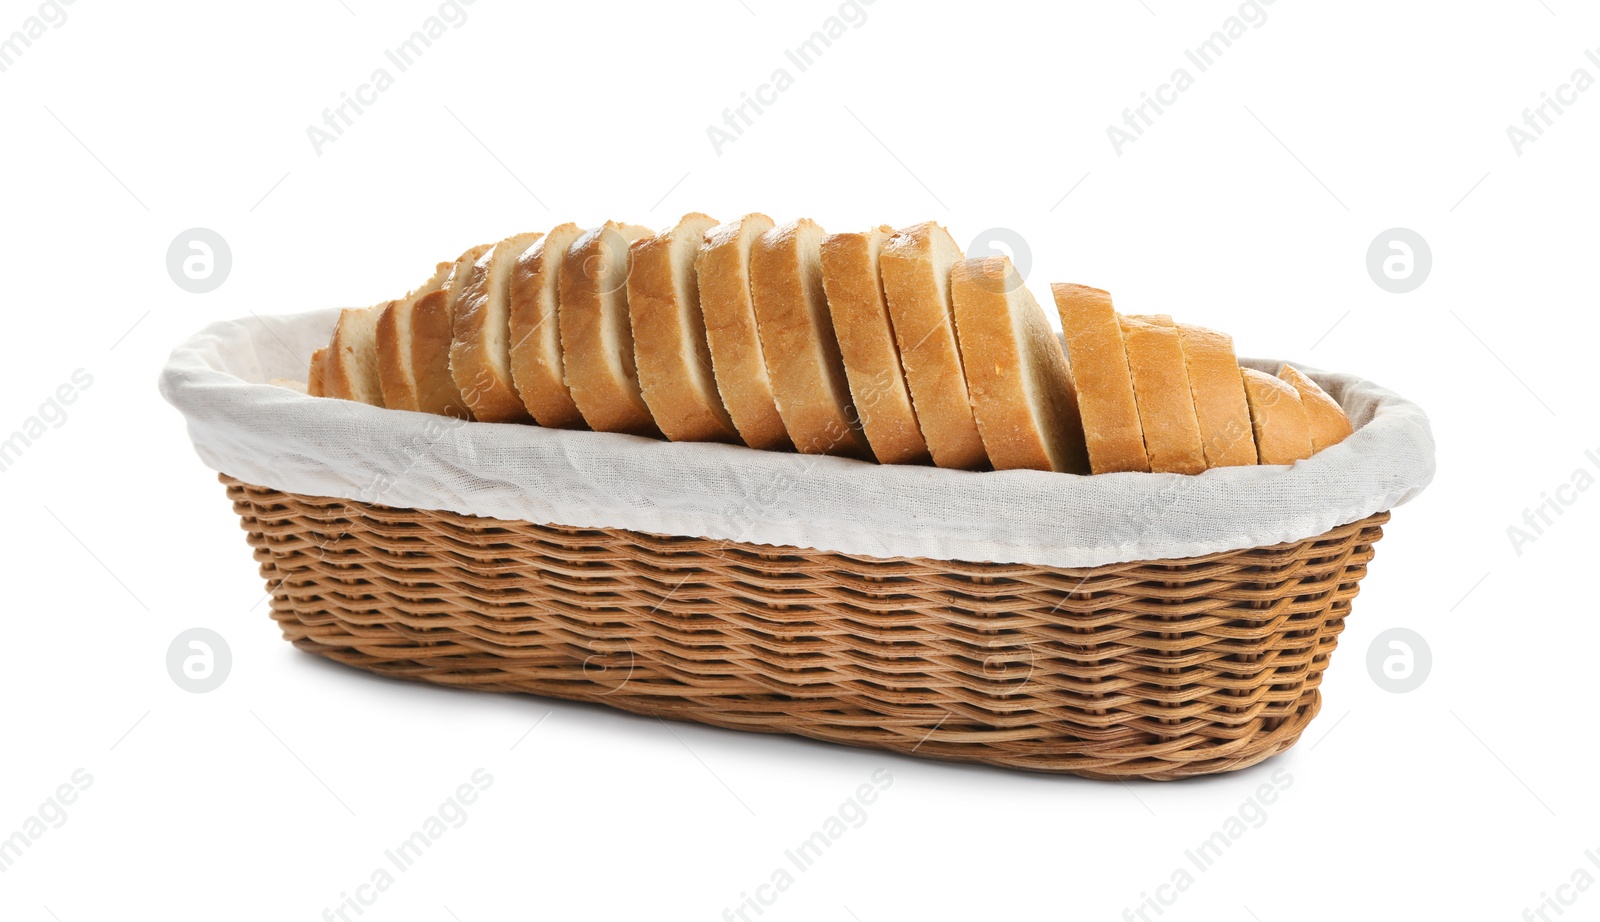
{"x":1099,"y":366}
{"x":314,"y":377}
{"x":480,"y":359}
{"x":596,"y":335}
{"x":1219,"y":401}
{"x":352,"y":359}
{"x":860,"y":314}
{"x":432,"y":332}
{"x":535,"y":329}
{"x":1277,"y":418}
{"x":1022,"y":394}
{"x":669,"y":335}
{"x":1326,"y":420}
{"x":395,"y":378}
{"x":722,"y":268}
{"x":797,"y":340}
{"x":1161,"y":389}
{"x":431,"y":335}
{"x":394,"y":356}
{"x":915,"y":265}
{"x":335,"y":380}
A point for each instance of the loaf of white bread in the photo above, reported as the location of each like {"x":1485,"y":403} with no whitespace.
{"x":882,"y":345}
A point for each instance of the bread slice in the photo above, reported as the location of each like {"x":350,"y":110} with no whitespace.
{"x":798,"y":342}
{"x":1327,"y":420}
{"x":315,"y":375}
{"x":535,"y":327}
{"x":860,"y":315}
{"x":1098,"y":362}
{"x":432,"y":332}
{"x":352,"y":361}
{"x":1277,"y":418}
{"x":669,"y":335}
{"x":1017,"y":378}
{"x":722,"y":268}
{"x":1219,"y":401}
{"x":915,"y":264}
{"x":1161,"y":389}
{"x":395,"y":376}
{"x":596,"y":336}
{"x":480,"y":348}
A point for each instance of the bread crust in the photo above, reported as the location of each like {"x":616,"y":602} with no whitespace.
{"x":395,"y":380}
{"x":1098,"y":363}
{"x":431,"y":335}
{"x":315,"y":374}
{"x":722,"y":268}
{"x":854,"y":289}
{"x":395,"y":376}
{"x":1016,"y":372}
{"x":1325,"y":419}
{"x":596,"y":334}
{"x":537,"y":370}
{"x":1161,"y":390}
{"x":915,"y":265}
{"x":432,"y":332}
{"x":669,"y":335}
{"x":1277,"y":418}
{"x":480,"y":357}
{"x":1219,"y":402}
{"x":798,"y":342}
{"x":352,"y":358}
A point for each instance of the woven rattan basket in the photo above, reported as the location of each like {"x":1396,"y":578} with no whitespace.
{"x":1159,"y":669}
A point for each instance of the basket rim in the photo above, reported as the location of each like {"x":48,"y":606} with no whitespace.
{"x":276,"y":437}
{"x":987,"y":568}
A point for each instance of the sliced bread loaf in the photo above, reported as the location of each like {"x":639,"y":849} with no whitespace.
{"x":1326,"y":420}
{"x":395,"y":375}
{"x":669,"y":335}
{"x":1099,"y":366}
{"x":352,"y":361}
{"x":596,"y":335}
{"x":1277,"y":418}
{"x":915,"y":264}
{"x":798,"y":341}
{"x":1016,"y":373}
{"x":860,"y":315}
{"x":535,"y":329}
{"x":1161,"y":389}
{"x":1219,"y":401}
{"x":722,"y":268}
{"x":480,"y":348}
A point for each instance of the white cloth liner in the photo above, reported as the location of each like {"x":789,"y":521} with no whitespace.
{"x":275,"y":437}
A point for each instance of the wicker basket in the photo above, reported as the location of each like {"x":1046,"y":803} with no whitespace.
{"x":1162,"y":669}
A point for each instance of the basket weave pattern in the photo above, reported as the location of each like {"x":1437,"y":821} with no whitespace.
{"x":1156,"y":670}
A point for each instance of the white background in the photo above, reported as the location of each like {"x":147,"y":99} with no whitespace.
{"x":1248,"y":206}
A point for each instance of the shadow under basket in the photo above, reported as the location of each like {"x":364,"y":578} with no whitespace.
{"x":1158,"y":669}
